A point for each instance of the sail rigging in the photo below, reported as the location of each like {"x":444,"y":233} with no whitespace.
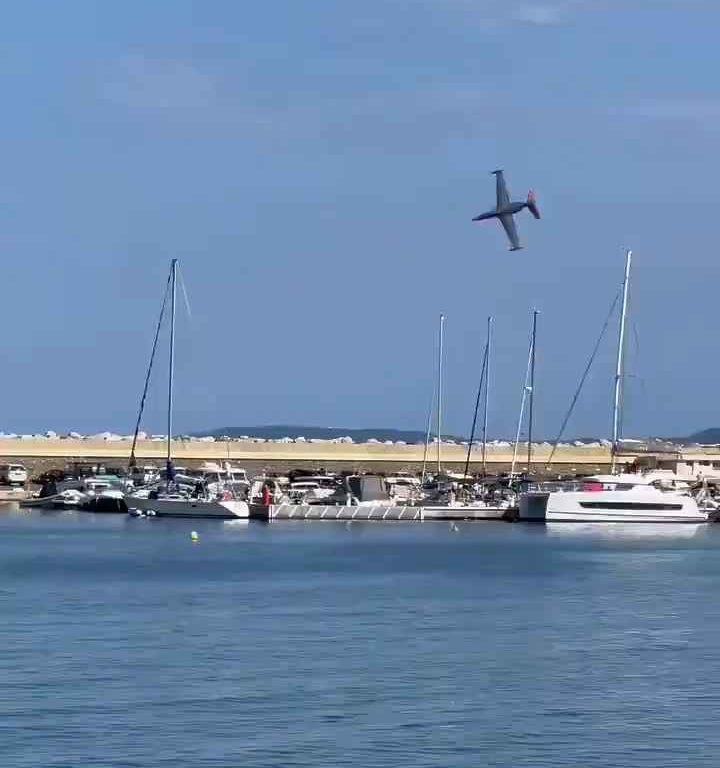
{"x":132,"y":461}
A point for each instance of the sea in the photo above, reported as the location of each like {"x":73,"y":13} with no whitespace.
{"x":124,"y":644}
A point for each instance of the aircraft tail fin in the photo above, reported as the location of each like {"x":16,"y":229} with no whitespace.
{"x":532,"y":204}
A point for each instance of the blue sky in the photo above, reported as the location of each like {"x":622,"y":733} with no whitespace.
{"x":315,"y":167}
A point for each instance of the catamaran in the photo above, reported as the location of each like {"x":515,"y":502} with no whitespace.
{"x":615,"y":497}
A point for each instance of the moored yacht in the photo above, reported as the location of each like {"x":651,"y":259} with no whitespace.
{"x":214,"y":491}
{"x":179,"y":505}
{"x":615,"y":497}
{"x":609,"y":499}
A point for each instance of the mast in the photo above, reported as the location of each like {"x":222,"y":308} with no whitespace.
{"x":487,"y":395}
{"x":171,"y":371}
{"x":532,"y":387}
{"x":620,"y":364}
{"x":439,"y":391}
{"x":526,"y":391}
{"x":483,"y":373}
{"x":428,"y":431}
{"x":132,"y":461}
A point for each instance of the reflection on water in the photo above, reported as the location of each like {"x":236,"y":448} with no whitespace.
{"x":629,"y":530}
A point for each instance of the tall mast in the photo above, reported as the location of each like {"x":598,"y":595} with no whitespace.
{"x":481,"y":383}
{"x":428,"y":431}
{"x":620,"y":364}
{"x":532,"y":387}
{"x":132,"y":462}
{"x":439,"y":391}
{"x":487,"y":395}
{"x":526,"y":390}
{"x":171,"y":371}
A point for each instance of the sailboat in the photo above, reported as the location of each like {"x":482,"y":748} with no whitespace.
{"x":176,"y":496}
{"x":463,"y":503}
{"x":615,"y":497}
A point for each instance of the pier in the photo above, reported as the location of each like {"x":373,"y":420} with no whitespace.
{"x":376,"y":512}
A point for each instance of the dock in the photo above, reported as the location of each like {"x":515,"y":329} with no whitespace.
{"x":377,"y":512}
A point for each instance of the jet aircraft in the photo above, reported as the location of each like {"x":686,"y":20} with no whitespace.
{"x":505,"y":210}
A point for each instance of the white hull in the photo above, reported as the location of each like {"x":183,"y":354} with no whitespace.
{"x":647,"y":506}
{"x":221,"y":510}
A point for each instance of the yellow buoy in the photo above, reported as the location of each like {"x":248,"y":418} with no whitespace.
{"x":194,"y":536}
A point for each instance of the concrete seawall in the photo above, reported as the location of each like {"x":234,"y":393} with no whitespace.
{"x":279,"y":456}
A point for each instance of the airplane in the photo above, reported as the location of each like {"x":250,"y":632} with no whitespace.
{"x":506,"y":209}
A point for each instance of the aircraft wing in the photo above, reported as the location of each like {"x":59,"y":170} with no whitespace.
{"x":508,"y":223}
{"x":503,"y":196}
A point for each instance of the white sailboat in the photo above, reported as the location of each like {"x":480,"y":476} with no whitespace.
{"x":469,"y":503}
{"x":171,"y":499}
{"x":616,"y":497}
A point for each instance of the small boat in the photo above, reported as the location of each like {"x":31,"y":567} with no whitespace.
{"x":98,"y":493}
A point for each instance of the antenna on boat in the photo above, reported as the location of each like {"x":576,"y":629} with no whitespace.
{"x":171,"y":369}
{"x":619,"y":369}
{"x":483,"y":381}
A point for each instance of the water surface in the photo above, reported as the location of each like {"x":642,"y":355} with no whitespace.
{"x":322,"y":644}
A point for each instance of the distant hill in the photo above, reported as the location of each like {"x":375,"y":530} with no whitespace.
{"x":705,"y":437}
{"x":278,"y":431}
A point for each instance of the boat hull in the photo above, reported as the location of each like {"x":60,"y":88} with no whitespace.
{"x":194,"y":508}
{"x":608,"y":507}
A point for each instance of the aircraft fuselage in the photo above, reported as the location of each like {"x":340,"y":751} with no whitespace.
{"x":510,"y":208}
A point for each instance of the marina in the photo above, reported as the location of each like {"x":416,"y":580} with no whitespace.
{"x":359,"y":390}
{"x":650,"y":490}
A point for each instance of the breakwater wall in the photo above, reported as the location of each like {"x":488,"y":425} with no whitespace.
{"x":40,"y":454}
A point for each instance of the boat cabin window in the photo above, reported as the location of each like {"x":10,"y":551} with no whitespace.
{"x":618,"y":486}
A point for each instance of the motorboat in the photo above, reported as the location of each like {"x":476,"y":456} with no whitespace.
{"x":360,"y":490}
{"x":610,"y":498}
{"x":404,"y":489}
{"x":313,"y":489}
{"x":180,"y":505}
{"x":93,"y":493}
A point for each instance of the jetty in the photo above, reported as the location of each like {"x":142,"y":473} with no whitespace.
{"x":374,"y":512}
